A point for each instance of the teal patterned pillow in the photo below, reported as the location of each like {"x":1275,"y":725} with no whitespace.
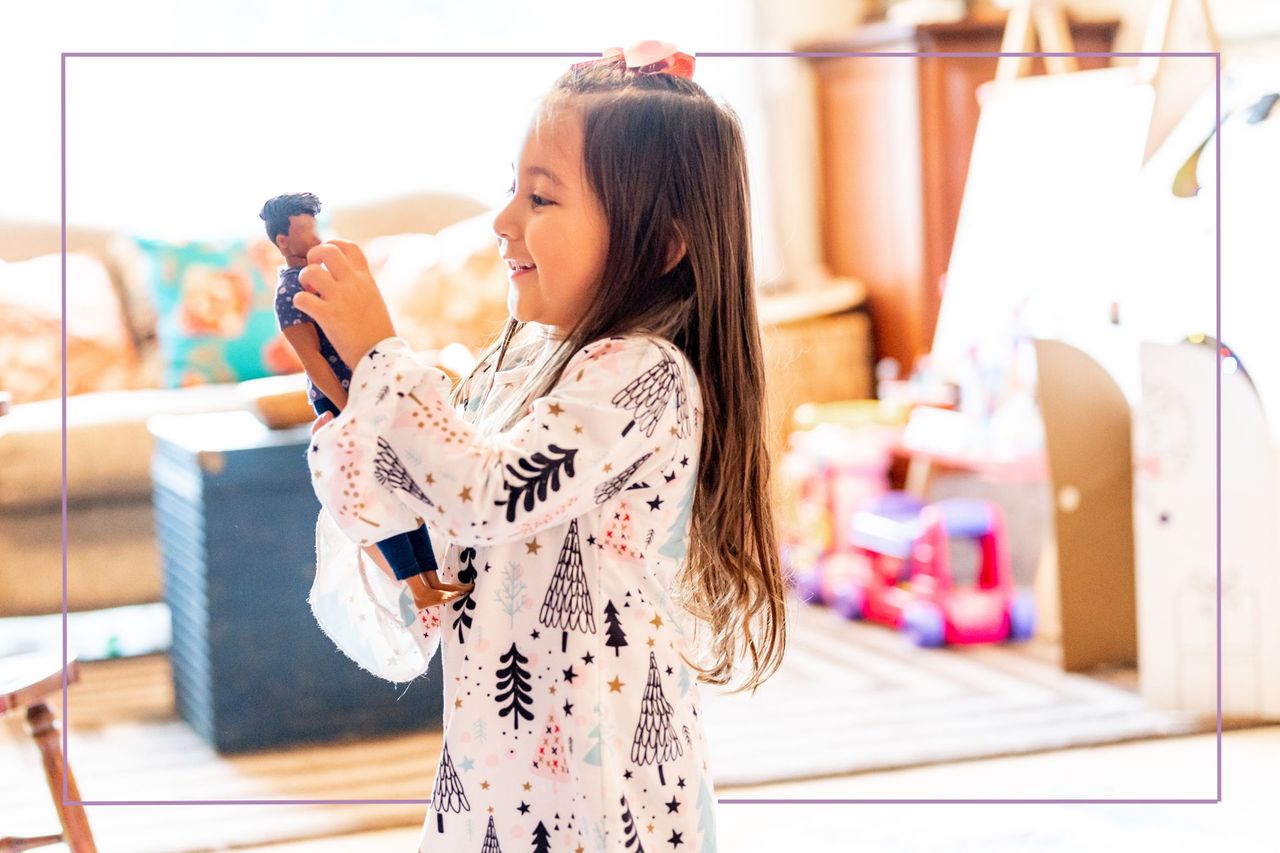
{"x":215,"y":314}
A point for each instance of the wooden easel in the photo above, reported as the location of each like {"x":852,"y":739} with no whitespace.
{"x":1027,"y":20}
{"x":1174,"y":88}
{"x":1156,"y":38}
{"x":1176,"y":84}
{"x":1047,"y":19}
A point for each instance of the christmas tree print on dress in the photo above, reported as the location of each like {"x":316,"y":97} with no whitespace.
{"x":464,"y":605}
{"x":706,"y":816}
{"x":618,"y":534}
{"x":550,"y":761}
{"x":678,"y":545}
{"x":510,"y":593}
{"x":617,"y":637}
{"x":656,"y":740}
{"x":491,"y":839}
{"x":448,"y":795}
{"x":605,"y":491}
{"x":540,"y":471}
{"x":593,"y":755}
{"x":390,"y":472}
{"x":408,"y":610}
{"x":567,"y":604}
{"x":649,"y":393}
{"x":514,"y":681}
{"x":629,"y":829}
{"x":541,"y":839}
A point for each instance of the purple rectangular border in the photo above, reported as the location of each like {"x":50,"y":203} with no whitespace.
{"x":1217,"y":57}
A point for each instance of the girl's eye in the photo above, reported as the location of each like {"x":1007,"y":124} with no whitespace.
{"x":534,"y":199}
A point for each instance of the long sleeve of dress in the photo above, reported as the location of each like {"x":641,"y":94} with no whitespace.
{"x":366,"y":614}
{"x":399,"y":453}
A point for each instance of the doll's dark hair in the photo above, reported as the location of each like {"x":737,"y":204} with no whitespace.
{"x":276,"y":211}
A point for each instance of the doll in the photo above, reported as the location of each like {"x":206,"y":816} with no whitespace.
{"x":291,"y":226}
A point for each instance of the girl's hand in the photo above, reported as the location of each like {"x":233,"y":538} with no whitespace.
{"x":343,"y":298}
{"x":321,"y":421}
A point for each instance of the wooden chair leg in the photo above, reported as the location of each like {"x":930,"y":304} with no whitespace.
{"x":18,"y":845}
{"x":75,"y":824}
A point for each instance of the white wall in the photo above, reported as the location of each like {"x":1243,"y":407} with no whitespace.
{"x":224,"y":131}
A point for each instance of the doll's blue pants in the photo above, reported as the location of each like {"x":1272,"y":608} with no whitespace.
{"x":408,"y":554}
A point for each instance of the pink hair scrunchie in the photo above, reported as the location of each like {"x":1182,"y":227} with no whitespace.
{"x":646,"y":57}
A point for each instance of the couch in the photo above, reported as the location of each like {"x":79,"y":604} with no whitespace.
{"x":433,"y":255}
{"x":425,"y":248}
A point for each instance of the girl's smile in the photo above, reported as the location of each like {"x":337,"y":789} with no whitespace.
{"x":516,"y":269}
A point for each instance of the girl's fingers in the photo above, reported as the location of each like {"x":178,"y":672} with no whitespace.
{"x":310,"y":304}
{"x":316,"y":279}
{"x":334,"y":259}
{"x":353,"y":253}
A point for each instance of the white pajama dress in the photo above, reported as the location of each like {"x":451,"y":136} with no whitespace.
{"x":570,"y":721}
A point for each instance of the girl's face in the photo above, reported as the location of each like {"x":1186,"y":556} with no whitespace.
{"x":552,"y":232}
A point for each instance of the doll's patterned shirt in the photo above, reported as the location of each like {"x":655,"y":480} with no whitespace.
{"x":287,"y":315}
{"x":570,"y":721}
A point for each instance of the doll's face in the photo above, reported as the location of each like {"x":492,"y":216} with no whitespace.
{"x":301,"y":239}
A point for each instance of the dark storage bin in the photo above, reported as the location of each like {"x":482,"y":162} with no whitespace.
{"x":235,"y":518}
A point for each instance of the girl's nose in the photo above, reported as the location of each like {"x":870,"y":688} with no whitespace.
{"x":504,"y":225}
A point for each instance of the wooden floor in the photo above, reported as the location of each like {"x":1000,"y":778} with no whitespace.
{"x":1182,"y":767}
{"x":1243,"y":822}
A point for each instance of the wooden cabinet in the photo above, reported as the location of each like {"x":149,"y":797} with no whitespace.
{"x":895,"y":135}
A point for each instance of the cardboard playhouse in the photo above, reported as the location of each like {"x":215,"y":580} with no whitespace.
{"x":1181,"y":449}
{"x":1077,"y":231}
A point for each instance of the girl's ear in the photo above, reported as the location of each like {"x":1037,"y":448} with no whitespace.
{"x":676,"y":251}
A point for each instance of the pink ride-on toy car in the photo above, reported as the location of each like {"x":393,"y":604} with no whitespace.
{"x":908,"y":583}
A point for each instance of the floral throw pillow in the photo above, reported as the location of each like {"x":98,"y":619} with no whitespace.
{"x":215,"y":315}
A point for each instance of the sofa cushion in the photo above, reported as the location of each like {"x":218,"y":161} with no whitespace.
{"x":214,"y":308}
{"x":100,"y":352}
{"x":443,"y":288}
{"x":108,"y":445}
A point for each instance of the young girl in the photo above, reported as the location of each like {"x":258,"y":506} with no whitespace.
{"x":601,"y":477}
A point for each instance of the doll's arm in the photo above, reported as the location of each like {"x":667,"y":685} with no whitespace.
{"x":305,"y":341}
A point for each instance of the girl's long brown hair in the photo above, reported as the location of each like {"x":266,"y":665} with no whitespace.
{"x":668,"y":166}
